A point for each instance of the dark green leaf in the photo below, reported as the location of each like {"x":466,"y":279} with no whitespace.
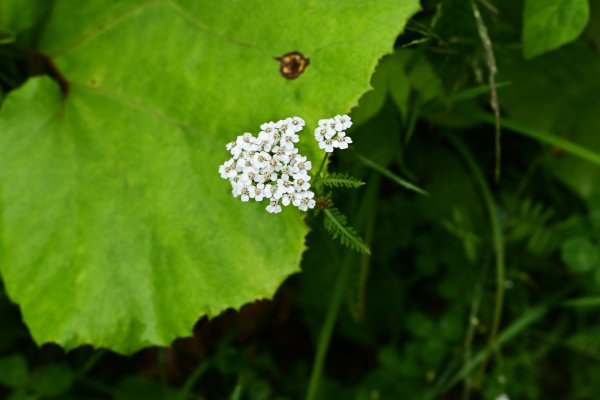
{"x":580,"y":254}
{"x":13,"y":371}
{"x":52,"y":380}
{"x":549,"y":24}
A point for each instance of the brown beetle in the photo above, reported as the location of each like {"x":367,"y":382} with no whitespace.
{"x":292,"y":65}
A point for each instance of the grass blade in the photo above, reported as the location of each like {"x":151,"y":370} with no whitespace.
{"x":389,"y":174}
{"x":474,"y":92}
{"x":514,"y":329}
{"x":592,"y":301}
{"x":544,"y":137}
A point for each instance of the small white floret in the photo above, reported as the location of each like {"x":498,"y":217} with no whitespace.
{"x":274,"y":207}
{"x":342,"y":122}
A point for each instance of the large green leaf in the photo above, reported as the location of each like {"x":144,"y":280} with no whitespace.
{"x":549,"y":24}
{"x":116,"y":229}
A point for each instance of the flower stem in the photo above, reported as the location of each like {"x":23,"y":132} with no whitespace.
{"x":337,"y":296}
{"x":318,"y":174}
{"x":493,"y":345}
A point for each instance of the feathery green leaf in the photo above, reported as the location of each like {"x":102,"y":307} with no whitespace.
{"x":337,"y":180}
{"x":336,"y":224}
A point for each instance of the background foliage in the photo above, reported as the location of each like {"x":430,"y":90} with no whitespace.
{"x":475,"y":286}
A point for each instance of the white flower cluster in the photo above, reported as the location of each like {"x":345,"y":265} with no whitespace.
{"x":268,"y":167}
{"x":331,"y":133}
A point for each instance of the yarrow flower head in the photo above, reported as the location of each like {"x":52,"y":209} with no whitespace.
{"x":331,"y":133}
{"x":269,"y":167}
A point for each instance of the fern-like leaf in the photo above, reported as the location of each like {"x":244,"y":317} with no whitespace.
{"x":336,"y":180}
{"x":336,"y":224}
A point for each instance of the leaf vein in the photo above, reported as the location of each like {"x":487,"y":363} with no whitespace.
{"x":104,"y":27}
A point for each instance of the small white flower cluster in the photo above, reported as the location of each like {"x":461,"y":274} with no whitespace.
{"x":268,"y":167}
{"x":331,"y":133}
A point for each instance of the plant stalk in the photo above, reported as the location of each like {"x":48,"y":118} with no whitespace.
{"x":325,"y":335}
{"x":318,"y":174}
{"x":498,"y":242}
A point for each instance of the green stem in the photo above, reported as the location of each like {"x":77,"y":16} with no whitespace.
{"x":472,"y":324}
{"x":193,"y":378}
{"x":327,"y":329}
{"x":366,"y":214}
{"x":162,"y":369}
{"x":490,"y":58}
{"x":412,"y":123}
{"x":98,"y":386}
{"x":318,"y":174}
{"x":517,"y":326}
{"x":90,"y":362}
{"x":498,"y":241}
